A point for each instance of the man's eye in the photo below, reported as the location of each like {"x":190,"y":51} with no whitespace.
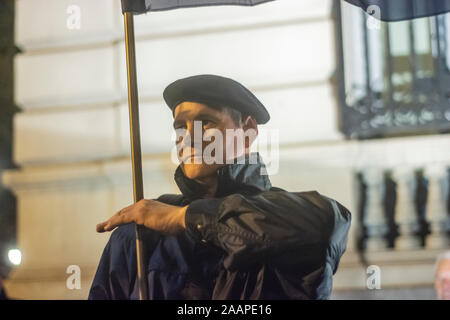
{"x":207,"y":122}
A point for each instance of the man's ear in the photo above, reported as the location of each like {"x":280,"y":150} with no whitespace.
{"x":249,"y":123}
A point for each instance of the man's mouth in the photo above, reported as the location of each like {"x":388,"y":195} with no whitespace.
{"x":192,"y":158}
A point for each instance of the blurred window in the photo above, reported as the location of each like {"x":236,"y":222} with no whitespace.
{"x":395,"y":76}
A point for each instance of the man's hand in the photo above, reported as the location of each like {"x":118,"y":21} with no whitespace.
{"x":155,"y":215}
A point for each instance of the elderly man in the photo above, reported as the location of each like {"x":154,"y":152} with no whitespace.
{"x":442,"y":276}
{"x":230,"y":234}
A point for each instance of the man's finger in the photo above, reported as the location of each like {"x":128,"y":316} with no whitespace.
{"x":122,"y":217}
{"x":101,"y":227}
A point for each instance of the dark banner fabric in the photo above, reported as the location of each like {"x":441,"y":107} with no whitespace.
{"x":396,"y":10}
{"x":142,"y":6}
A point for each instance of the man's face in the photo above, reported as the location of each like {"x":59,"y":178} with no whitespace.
{"x":199,"y":126}
{"x":442,"y":281}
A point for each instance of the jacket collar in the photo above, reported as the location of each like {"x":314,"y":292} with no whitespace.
{"x":245,"y":178}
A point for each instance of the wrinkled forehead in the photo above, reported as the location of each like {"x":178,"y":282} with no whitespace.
{"x":192,"y":110}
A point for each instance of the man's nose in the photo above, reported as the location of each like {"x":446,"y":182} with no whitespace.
{"x":195,"y":130}
{"x":190,"y":131}
{"x":186,"y":136}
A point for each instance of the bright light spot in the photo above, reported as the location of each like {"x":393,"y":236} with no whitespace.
{"x":15,"y":256}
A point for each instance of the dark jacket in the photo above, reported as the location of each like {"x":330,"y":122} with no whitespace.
{"x":252,"y":241}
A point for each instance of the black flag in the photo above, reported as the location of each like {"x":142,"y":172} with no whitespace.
{"x":142,"y":6}
{"x":396,"y":10}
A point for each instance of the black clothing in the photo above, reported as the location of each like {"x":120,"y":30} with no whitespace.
{"x":214,"y":90}
{"x":143,"y":6}
{"x":252,"y":241}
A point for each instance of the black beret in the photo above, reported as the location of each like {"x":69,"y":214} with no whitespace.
{"x":213,"y":89}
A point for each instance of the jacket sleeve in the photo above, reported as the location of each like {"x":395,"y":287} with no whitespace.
{"x":261,"y":227}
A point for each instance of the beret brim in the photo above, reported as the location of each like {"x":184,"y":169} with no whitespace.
{"x":213,"y":89}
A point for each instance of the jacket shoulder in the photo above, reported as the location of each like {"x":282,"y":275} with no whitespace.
{"x":320,"y":201}
{"x":341,"y":216}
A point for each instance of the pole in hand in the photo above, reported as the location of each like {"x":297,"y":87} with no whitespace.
{"x":133,"y":106}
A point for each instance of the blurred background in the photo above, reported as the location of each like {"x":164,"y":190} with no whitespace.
{"x":362,"y":110}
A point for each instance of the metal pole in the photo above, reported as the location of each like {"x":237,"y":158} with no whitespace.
{"x":135,"y":140}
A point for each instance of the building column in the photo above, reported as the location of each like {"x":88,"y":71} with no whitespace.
{"x":406,"y":216}
{"x":375,"y":218}
{"x":436,"y":207}
{"x":8,"y":201}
